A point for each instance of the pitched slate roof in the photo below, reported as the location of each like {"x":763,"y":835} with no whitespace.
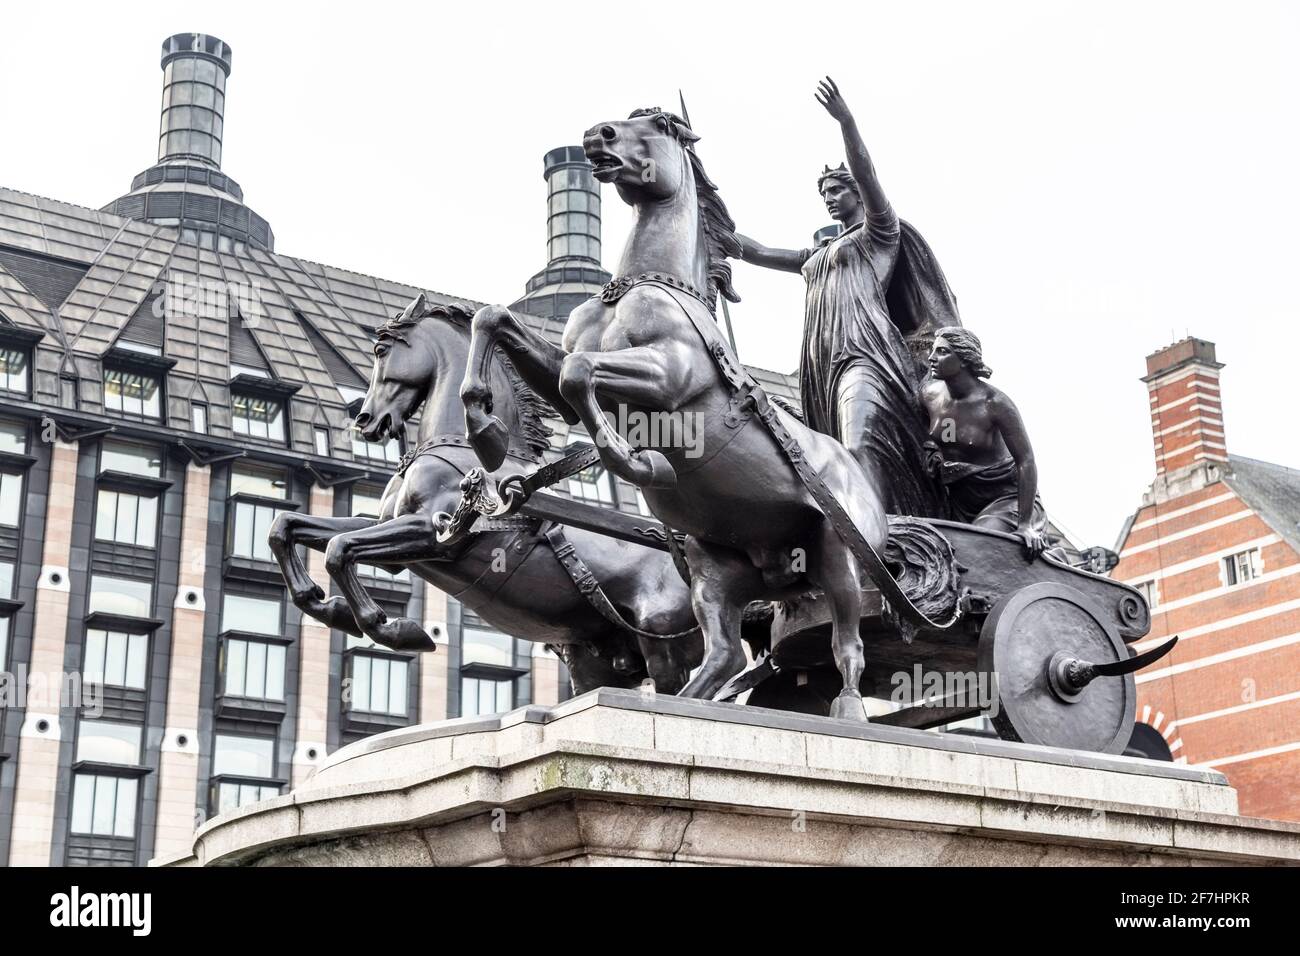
{"x":1272,"y":492}
{"x":81,"y":276}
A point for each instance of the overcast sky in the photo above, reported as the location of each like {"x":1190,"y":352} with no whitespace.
{"x":1096,"y":179}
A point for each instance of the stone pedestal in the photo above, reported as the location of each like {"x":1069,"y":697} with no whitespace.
{"x":618,"y":777}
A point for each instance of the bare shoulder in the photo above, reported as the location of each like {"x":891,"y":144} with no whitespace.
{"x":933,"y":391}
{"x":999,"y":403}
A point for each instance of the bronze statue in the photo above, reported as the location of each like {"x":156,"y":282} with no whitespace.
{"x":509,"y":571}
{"x":771,"y":508}
{"x":978,"y":445}
{"x":857,"y":375}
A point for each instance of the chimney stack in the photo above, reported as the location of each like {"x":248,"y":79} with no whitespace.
{"x":195,"y":67}
{"x":573,"y":273}
{"x":187,"y":188}
{"x":1186,"y":407}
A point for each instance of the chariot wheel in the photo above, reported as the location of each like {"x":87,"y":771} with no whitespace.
{"x":1060,"y":671}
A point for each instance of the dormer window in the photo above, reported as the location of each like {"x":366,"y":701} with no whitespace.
{"x":13,"y":370}
{"x":16,"y":357}
{"x":132,"y":393}
{"x":257,"y":417}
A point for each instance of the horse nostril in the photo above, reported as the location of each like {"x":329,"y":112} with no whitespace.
{"x":363,"y":419}
{"x":608,"y":132}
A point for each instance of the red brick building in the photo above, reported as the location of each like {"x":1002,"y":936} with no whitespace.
{"x":1216,"y":548}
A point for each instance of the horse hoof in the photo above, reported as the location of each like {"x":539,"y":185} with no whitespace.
{"x":662,"y":474}
{"x":848,"y":706}
{"x":403,"y":634}
{"x":490,"y":442}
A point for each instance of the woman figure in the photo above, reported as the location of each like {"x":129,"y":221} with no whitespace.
{"x":978,"y":443}
{"x":858,"y":380}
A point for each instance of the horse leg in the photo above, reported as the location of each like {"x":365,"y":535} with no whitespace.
{"x":536,"y":360}
{"x":722,"y":583}
{"x":292,"y":528}
{"x":650,"y":377}
{"x":836,"y":572}
{"x":400,"y":540}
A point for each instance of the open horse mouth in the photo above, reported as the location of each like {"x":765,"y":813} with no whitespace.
{"x":604,"y":166}
{"x":375,"y":429}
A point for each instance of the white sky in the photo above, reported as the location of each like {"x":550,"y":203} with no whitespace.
{"x":1096,"y":179}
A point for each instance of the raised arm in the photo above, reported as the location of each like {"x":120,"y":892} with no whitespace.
{"x":786,"y":260}
{"x":1012,"y":428}
{"x":859,"y":160}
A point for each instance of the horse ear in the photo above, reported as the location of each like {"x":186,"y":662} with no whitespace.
{"x":420,"y":307}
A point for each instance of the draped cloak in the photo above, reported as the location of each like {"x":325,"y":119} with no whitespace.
{"x":875,"y":297}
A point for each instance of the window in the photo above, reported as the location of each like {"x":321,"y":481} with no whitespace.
{"x":253,"y":615}
{"x":366,"y":502}
{"x":257,"y":417}
{"x":480,"y":646}
{"x":130,"y":519}
{"x":262,"y":482}
{"x":243,"y":756}
{"x":321,"y":436}
{"x":252,"y":669}
{"x":11,"y":498}
{"x":479,"y":696}
{"x":389,"y":451}
{"x":127,"y":596}
{"x":131,"y":459}
{"x":592,"y":484}
{"x":104,"y":805}
{"x":379,"y":685}
{"x":250,"y":529}
{"x":13,"y":370}
{"x":115,"y":658}
{"x":6,"y":581}
{"x":199,"y":418}
{"x":106,"y":741}
{"x":1150,"y":592}
{"x":250,"y":758}
{"x":132,"y":393}
{"x":232,"y":794}
{"x":1241,"y":567}
{"x":4,"y":645}
{"x":13,"y":438}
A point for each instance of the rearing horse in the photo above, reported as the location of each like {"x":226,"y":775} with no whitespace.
{"x":649,"y":345}
{"x":509,"y":574}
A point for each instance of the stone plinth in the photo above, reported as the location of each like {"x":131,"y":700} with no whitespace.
{"x":618,"y":777}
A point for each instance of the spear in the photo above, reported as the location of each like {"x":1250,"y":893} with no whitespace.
{"x":726,"y":312}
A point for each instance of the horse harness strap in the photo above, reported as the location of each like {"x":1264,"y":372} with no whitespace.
{"x":454,"y":441}
{"x":590,"y":588}
{"x":753,"y":395}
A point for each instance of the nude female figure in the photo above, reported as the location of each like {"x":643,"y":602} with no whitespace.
{"x":978,"y":444}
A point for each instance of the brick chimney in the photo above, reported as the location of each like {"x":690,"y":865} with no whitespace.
{"x":1186,"y":407}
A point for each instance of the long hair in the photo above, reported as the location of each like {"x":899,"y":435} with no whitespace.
{"x":966,"y":346}
{"x":719,"y":228}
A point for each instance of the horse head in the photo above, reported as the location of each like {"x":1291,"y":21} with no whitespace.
{"x":644,"y":156}
{"x":406,"y":366}
{"x":651,"y":161}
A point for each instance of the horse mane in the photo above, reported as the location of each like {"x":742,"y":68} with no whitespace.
{"x":719,"y":227}
{"x":530,"y":408}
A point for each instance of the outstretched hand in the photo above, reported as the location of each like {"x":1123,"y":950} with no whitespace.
{"x":828,"y":95}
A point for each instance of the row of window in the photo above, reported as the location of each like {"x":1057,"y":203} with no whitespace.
{"x":136,"y":394}
{"x":1234,"y":569}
